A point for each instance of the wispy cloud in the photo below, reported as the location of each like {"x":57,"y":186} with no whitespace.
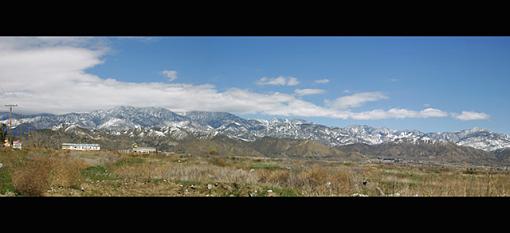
{"x":322,"y":81}
{"x":398,"y":113}
{"x":171,"y":75}
{"x":469,"y":116}
{"x":303,"y":92}
{"x":355,"y":100}
{"x":278,"y":81}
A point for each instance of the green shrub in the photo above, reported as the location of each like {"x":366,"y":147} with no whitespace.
{"x":97,"y":173}
{"x":213,"y":151}
{"x":128,"y":161}
{"x":286,"y":192}
{"x":261,"y":165}
{"x":5,"y":181}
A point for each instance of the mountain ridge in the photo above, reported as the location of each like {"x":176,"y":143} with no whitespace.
{"x":158,"y":121}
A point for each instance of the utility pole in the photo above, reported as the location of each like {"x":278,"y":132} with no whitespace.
{"x":10,"y":119}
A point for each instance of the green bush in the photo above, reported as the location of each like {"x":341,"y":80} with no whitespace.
{"x":213,"y":151}
{"x":5,"y":181}
{"x":129,"y":161}
{"x":262,"y":165}
{"x":97,"y":173}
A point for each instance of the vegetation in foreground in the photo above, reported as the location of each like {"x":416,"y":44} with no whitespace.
{"x":39,"y":172}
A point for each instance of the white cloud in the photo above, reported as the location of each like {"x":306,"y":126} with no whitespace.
{"x":303,"y":92}
{"x":432,"y":112}
{"x":42,"y":75}
{"x":322,"y":81}
{"x":99,"y":45}
{"x":398,"y":113}
{"x":171,"y":75}
{"x":278,"y":81}
{"x":292,"y":81}
{"x":355,"y":100}
{"x":468,"y":116}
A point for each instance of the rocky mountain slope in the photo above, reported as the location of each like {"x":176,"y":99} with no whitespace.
{"x":161,"y":122}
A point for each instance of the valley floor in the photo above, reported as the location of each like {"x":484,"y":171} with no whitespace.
{"x":38,"y":172}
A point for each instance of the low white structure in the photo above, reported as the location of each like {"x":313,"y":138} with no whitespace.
{"x":144,"y":150}
{"x":16,"y":145}
{"x":78,"y":146}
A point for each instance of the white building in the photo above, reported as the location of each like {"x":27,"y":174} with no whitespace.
{"x":144,"y":150}
{"x":77,"y":146}
{"x":16,"y":145}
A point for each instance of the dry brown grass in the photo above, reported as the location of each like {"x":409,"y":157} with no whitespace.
{"x":174,"y":175}
{"x":323,"y":181}
{"x":460,"y":185}
{"x":66,"y":172}
{"x":35,"y":176}
{"x":186,"y":172}
{"x":278,"y":177}
{"x":432,"y":181}
{"x":320,"y":179}
{"x":209,"y":173}
{"x":316,"y":180}
{"x":341,"y":182}
{"x":142,"y":171}
{"x":32,"y":179}
{"x":219,"y":161}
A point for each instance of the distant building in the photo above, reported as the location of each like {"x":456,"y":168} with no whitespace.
{"x":16,"y":145}
{"x":144,"y":150}
{"x":388,"y":160}
{"x":77,"y":146}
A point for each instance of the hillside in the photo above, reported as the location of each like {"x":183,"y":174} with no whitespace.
{"x":153,"y":121}
{"x":273,"y":147}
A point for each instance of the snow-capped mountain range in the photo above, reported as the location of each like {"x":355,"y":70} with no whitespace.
{"x":162,"y":122}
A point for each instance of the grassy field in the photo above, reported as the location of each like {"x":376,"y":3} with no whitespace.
{"x":37,"y":172}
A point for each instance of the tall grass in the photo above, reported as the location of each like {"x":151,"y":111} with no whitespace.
{"x":32,"y":173}
{"x":32,"y":179}
{"x":37,"y":175}
{"x":314,"y":181}
{"x":186,"y":172}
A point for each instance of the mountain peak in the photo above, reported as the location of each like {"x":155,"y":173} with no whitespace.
{"x":126,"y":119}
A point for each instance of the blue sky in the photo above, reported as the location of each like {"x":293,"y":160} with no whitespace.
{"x":448,"y":75}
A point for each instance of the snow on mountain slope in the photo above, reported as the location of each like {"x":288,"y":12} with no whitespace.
{"x":152,"y":121}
